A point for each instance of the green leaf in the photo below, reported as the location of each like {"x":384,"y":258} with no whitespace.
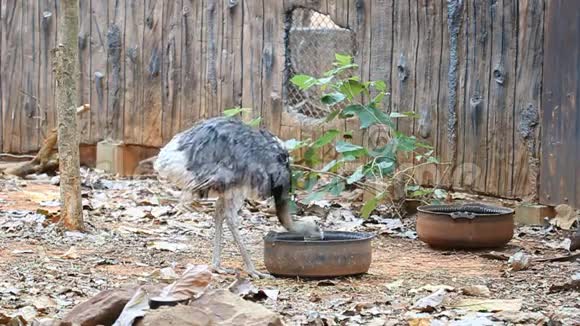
{"x":332,"y":98}
{"x":324,"y":81}
{"x":351,"y":110}
{"x":413,"y":187}
{"x":326,"y":139}
{"x":332,"y":115}
{"x":386,"y":166}
{"x":255,"y":122}
{"x":293,"y":144}
{"x":343,"y":59}
{"x":303,"y":81}
{"x":432,"y":160}
{"x":351,"y":88}
{"x":340,"y":69}
{"x":310,"y":157}
{"x":369,"y":116}
{"x":330,"y":165}
{"x":370,"y":205}
{"x":347,"y":149}
{"x":356,"y":176}
{"x":311,"y":181}
{"x":440,"y":193}
{"x":380,"y":86}
{"x":335,"y":187}
{"x":318,"y":195}
{"x":405,"y":143}
{"x":232,"y":112}
{"x":378,"y":99}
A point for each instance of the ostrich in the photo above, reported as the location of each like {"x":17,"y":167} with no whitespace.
{"x":235,"y":161}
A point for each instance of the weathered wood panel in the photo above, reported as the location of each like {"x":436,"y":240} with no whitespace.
{"x":528,"y":99}
{"x":134,"y":27}
{"x":472,"y":70}
{"x":560,"y":119}
{"x":500,"y":109}
{"x":99,"y":80}
{"x":116,"y":69}
{"x":151,"y":70}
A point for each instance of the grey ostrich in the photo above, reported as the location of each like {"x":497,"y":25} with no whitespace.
{"x":235,"y":161}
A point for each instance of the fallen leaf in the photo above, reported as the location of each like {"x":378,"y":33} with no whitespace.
{"x":244,"y":288}
{"x":135,"y":308}
{"x":168,"y":246}
{"x":490,"y":305}
{"x":434,"y":288}
{"x":168,"y":274}
{"x":191,"y":284}
{"x":476,"y":291}
{"x":42,"y":303}
{"x":71,"y":254}
{"x":420,"y":321}
{"x":565,"y":217}
{"x":519,"y":261}
{"x":431,"y":302}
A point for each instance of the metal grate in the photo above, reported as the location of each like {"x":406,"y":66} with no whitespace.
{"x":312,"y":40}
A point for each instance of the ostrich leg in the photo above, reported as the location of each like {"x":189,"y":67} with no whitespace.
{"x":233,"y":204}
{"x":217,"y":241}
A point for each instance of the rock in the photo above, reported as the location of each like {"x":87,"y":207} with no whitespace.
{"x":226,"y":308}
{"x":477,"y":291}
{"x":519,"y":261}
{"x":104,"y":308}
{"x":565,"y":217}
{"x":176,"y":316}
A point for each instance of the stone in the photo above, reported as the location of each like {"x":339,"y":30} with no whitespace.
{"x":176,"y":316}
{"x":527,"y":214}
{"x":104,"y":308}
{"x":226,"y":308}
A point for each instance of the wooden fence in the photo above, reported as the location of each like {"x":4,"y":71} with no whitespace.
{"x":150,"y":68}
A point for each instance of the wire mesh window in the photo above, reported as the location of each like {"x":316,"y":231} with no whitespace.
{"x":312,"y":40}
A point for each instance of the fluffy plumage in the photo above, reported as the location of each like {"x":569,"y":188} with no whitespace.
{"x":236,"y":161}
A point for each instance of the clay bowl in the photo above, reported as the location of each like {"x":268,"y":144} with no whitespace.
{"x":469,"y":226}
{"x":339,"y":254}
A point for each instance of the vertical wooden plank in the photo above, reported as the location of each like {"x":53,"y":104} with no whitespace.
{"x":134,"y":109}
{"x":560,"y":117}
{"x":528,"y":84}
{"x":500,"y":131}
{"x":405,"y":42}
{"x":219,"y":54}
{"x":170,"y":70}
{"x":191,"y":69}
{"x":458,"y":22}
{"x":12,"y":70}
{"x":46,"y":81}
{"x":99,"y":80}
{"x":152,"y":84}
{"x":85,"y":68}
{"x":252,"y":55}
{"x":476,"y":96}
{"x":427,"y":77}
{"x":380,"y":22}
{"x":272,"y":65}
{"x":211,"y":57}
{"x":30,"y":128}
{"x":236,"y":14}
{"x":116,"y":68}
{"x":2,"y":39}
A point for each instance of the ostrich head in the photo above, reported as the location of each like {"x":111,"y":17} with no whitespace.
{"x":309,"y":228}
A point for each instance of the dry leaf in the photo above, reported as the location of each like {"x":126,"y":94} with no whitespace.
{"x":565,"y":217}
{"x":431,"y":302}
{"x":135,"y":308}
{"x":490,"y":305}
{"x":191,"y":284}
{"x":71,"y":254}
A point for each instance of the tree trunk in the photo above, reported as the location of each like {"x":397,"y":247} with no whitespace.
{"x":67,"y":75}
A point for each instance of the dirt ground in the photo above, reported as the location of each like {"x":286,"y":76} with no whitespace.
{"x":133,"y":233}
